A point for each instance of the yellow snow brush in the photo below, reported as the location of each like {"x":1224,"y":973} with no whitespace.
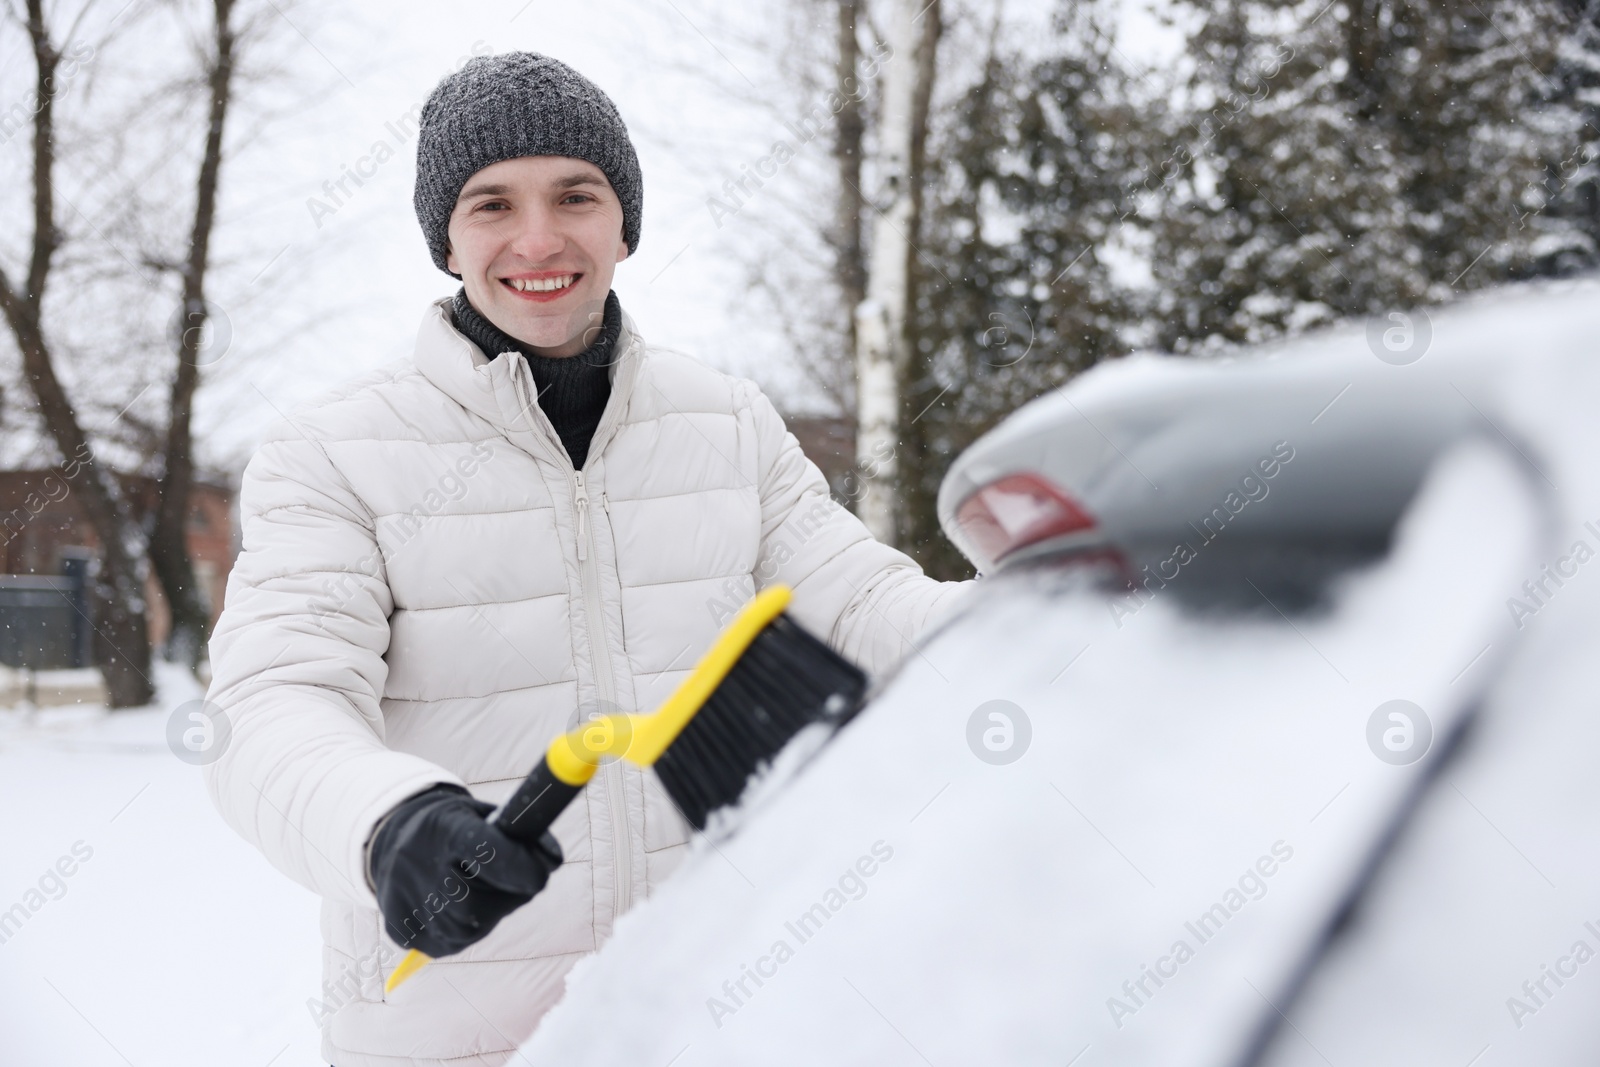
{"x":764,"y":680}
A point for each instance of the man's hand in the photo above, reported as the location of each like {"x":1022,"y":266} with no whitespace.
{"x":445,"y":875}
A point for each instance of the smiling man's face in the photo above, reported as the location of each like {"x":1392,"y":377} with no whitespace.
{"x":536,"y":241}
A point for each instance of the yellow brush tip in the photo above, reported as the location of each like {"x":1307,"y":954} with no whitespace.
{"x":409,"y":966}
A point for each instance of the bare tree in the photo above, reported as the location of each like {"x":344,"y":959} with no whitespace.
{"x":839,"y":295}
{"x":169,"y":546}
{"x":119,"y":579}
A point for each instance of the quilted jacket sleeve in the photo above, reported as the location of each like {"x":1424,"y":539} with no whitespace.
{"x":871,"y":600}
{"x":297,"y":669}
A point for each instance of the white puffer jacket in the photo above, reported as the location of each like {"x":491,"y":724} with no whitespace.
{"x":428,"y":592}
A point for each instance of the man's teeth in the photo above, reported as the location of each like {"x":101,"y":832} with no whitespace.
{"x":541,"y":285}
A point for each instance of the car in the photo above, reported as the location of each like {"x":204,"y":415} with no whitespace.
{"x":1266,"y":738}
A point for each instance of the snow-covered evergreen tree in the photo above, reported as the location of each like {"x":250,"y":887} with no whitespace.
{"x":1342,"y":159}
{"x":1573,"y":184}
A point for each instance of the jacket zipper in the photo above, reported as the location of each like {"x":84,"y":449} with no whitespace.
{"x":622,"y":845}
{"x":600,"y":656}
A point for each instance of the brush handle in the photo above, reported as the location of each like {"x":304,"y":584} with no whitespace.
{"x":524,"y":818}
{"x":536,"y":803}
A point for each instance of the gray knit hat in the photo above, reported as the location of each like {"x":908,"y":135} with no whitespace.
{"x":517,"y":104}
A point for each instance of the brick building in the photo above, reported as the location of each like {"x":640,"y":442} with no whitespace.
{"x":45,"y":534}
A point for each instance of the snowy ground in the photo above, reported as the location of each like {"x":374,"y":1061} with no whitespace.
{"x":171,"y":942}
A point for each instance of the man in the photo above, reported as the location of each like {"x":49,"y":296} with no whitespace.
{"x":449,"y":561}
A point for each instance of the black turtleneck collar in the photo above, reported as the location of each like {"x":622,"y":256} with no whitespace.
{"x":572,"y":390}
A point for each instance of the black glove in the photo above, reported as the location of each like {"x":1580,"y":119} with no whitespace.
{"x":445,"y":876}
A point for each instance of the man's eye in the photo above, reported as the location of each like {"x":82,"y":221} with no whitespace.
{"x":579,"y":197}
{"x":492,"y":205}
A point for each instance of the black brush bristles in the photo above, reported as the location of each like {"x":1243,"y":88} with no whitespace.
{"x":785,"y":681}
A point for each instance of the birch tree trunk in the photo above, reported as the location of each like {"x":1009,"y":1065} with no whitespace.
{"x":882,"y":352}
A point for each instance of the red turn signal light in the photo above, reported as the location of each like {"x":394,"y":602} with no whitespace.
{"x":1016,"y":511}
